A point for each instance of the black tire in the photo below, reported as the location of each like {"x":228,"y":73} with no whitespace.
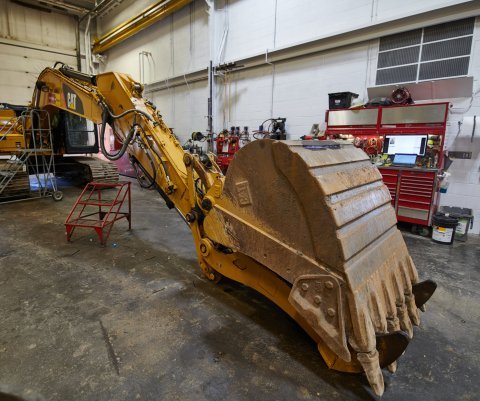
{"x":57,"y":196}
{"x":424,"y":231}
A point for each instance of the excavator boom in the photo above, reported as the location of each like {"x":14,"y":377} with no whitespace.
{"x":310,"y":226}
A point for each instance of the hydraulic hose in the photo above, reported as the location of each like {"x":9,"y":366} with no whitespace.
{"x":115,"y":117}
{"x":106,"y":114}
{"x":137,"y":165}
{"x":164,"y":166}
{"x":71,"y":73}
{"x":121,"y":152}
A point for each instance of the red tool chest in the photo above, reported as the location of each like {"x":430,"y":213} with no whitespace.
{"x":413,"y":193}
{"x":414,"y":190}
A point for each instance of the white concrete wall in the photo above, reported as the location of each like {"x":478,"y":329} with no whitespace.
{"x":36,"y":27}
{"x":156,"y":40}
{"x":31,"y":40}
{"x":297,"y":89}
{"x":254,"y":26}
{"x":464,"y":188}
{"x":178,"y":44}
{"x":249,"y":25}
{"x":184,"y":108}
{"x":299,"y":92}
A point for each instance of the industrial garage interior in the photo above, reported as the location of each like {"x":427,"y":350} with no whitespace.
{"x":239,"y":200}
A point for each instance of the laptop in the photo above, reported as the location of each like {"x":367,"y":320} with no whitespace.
{"x":404,"y":160}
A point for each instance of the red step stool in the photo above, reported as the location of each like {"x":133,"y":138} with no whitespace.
{"x":106,"y":210}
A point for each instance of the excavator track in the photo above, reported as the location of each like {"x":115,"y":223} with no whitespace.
{"x":19,"y":186}
{"x":98,"y":170}
{"x":320,"y":217}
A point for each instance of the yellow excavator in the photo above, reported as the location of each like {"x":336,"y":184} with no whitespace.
{"x":307,"y":224}
{"x":65,"y":136}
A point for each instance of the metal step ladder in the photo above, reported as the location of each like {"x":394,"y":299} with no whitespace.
{"x":16,"y":163}
{"x":98,"y":210}
{"x":37,"y":158}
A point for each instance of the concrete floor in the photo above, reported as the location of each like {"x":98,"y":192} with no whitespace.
{"x":135,"y":320}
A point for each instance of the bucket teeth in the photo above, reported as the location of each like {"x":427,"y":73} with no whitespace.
{"x":412,"y":309}
{"x":391,"y":346}
{"x":393,"y":324}
{"x":392,"y":368}
{"x":423,"y":291}
{"x":405,"y":323}
{"x":371,"y":366}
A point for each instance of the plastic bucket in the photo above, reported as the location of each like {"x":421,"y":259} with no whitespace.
{"x":443,"y":228}
{"x":465,"y":220}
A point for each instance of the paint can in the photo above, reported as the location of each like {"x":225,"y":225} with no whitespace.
{"x":443,"y":228}
{"x":465,"y":220}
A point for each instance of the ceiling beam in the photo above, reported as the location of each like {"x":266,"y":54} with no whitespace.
{"x":53,"y":5}
{"x":147,"y":17}
{"x":100,"y":8}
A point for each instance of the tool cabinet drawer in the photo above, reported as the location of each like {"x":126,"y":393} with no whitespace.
{"x":419,"y":174}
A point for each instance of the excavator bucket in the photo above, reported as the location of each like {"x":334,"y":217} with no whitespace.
{"x":308,"y":224}
{"x":318,"y":216}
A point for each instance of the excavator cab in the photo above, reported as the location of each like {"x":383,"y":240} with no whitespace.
{"x":74,"y":134}
{"x":81,"y":135}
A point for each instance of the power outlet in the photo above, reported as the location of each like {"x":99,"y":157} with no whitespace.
{"x":459,"y":155}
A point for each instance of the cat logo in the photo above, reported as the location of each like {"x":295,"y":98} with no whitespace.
{"x":72,"y":100}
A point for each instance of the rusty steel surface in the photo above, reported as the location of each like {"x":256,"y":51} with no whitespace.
{"x":321,"y":219}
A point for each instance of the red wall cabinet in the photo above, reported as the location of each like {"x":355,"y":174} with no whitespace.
{"x":414,"y":190}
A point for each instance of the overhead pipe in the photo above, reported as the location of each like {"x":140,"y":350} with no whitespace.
{"x":77,"y":44}
{"x":136,"y":24}
{"x":88,"y":51}
{"x":100,"y":5}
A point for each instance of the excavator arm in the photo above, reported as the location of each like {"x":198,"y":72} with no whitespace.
{"x":310,"y":226}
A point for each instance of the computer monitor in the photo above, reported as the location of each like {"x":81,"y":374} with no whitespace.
{"x":406,"y":160}
{"x":405,"y":144}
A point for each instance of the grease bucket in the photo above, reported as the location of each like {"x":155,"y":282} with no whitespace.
{"x":443,"y":228}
